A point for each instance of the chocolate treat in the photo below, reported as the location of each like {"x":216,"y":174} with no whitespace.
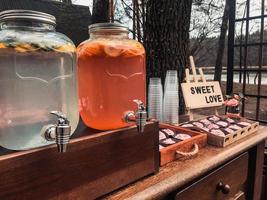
{"x":230,"y":120}
{"x":162,"y":135}
{"x":213,"y":126}
{"x":187,"y":125}
{"x":205,"y":121}
{"x":168,"y":132}
{"x":205,"y":129}
{"x":235,"y":127}
{"x":214,"y":118}
{"x":228,"y":130}
{"x":167,"y":142}
{"x":198,"y":124}
{"x":222,"y":123}
{"x":217,"y":132}
{"x":182,"y":136}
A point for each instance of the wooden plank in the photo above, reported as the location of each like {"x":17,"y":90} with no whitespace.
{"x":202,"y":75}
{"x":187,"y":75}
{"x":193,"y":67}
{"x":93,"y":166}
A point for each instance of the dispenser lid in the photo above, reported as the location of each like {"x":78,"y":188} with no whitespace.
{"x":27,"y":15}
{"x":108,"y":26}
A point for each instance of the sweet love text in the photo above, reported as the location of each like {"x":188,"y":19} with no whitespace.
{"x":209,"y":89}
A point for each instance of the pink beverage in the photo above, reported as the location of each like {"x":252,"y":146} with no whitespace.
{"x":111,"y":74}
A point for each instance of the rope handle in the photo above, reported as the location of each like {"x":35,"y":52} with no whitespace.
{"x":186,"y":155}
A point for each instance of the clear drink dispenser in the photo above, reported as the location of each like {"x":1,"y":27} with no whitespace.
{"x":37,"y":77}
{"x":112,"y":78}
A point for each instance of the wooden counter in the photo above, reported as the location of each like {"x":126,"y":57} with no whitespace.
{"x":182,"y":179}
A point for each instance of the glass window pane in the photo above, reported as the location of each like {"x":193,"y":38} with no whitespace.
{"x":254,"y":31}
{"x":265,"y":29}
{"x":255,"y":8}
{"x":264,"y":57}
{"x":238,"y":57}
{"x":241,"y":9}
{"x":240,"y":32}
{"x":263,"y":107}
{"x":250,"y":107}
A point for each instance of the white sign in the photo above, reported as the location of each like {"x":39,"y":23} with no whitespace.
{"x":202,"y":94}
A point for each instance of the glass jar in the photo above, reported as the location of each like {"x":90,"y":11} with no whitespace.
{"x":233,"y":111}
{"x":37,"y":76}
{"x":111,"y":74}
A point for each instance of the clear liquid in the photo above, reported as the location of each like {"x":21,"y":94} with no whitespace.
{"x":32,"y":84}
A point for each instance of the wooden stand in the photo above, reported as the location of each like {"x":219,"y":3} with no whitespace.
{"x":194,"y":80}
{"x":93,"y":165}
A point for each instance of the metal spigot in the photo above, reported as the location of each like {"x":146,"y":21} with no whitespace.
{"x":59,"y":132}
{"x":139,"y":117}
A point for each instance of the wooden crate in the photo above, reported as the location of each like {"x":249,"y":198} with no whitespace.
{"x":93,"y":165}
{"x":168,"y":154}
{"x":232,"y":137}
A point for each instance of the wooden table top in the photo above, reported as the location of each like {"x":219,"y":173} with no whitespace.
{"x":178,"y":173}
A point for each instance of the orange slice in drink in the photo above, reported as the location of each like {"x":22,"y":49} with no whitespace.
{"x":90,"y":49}
{"x":130,"y":52}
{"x":113,"y":50}
{"x":24,"y":48}
{"x":2,"y":46}
{"x":80,"y":49}
{"x":133,"y":48}
{"x":20,"y":49}
{"x":66,"y":48}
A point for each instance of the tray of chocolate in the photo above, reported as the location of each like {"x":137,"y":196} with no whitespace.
{"x":223,"y":130}
{"x":179,"y":143}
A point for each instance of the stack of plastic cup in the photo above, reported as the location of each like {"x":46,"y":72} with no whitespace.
{"x":155,"y":99}
{"x":171,"y":98}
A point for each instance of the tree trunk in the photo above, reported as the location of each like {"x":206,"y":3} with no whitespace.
{"x":167,"y":38}
{"x":221,"y":45}
{"x":67,"y":1}
{"x":100,"y":11}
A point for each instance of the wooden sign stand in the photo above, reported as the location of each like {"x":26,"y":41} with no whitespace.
{"x":196,"y":78}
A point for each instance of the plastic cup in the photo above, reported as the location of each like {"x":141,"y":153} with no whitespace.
{"x":171,"y":98}
{"x":155,"y":99}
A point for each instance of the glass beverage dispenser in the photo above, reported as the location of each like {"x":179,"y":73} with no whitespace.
{"x":111,"y":77}
{"x":37,"y":76}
